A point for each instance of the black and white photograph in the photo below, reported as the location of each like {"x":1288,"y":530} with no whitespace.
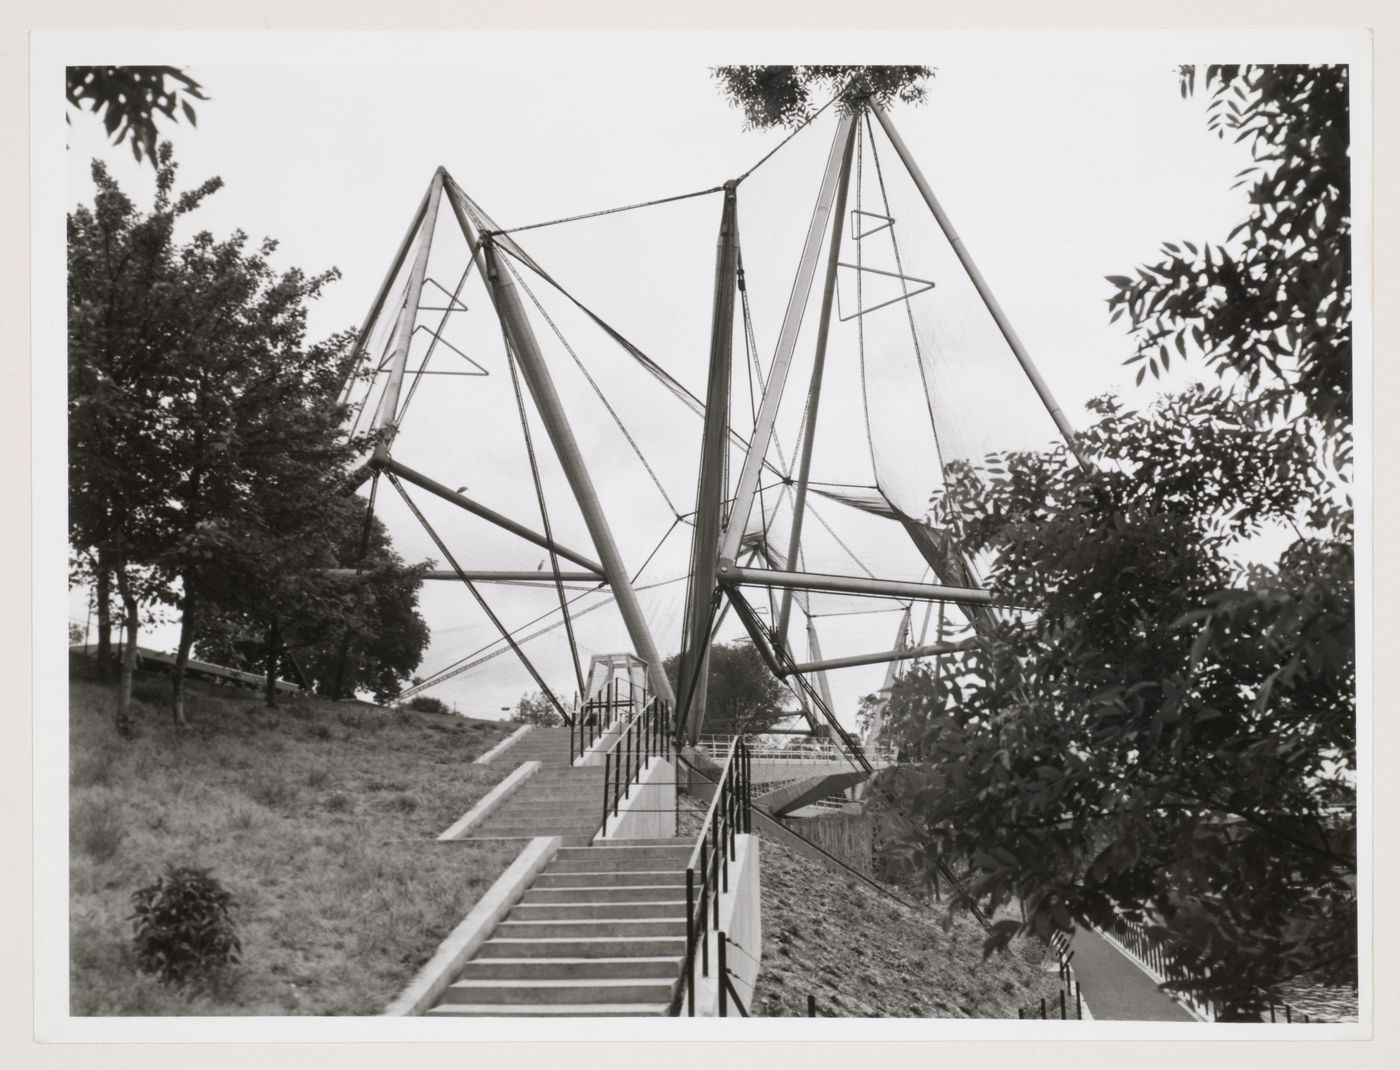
{"x":565,"y":529}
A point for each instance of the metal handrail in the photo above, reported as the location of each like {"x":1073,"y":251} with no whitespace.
{"x":729,"y":816}
{"x":803,"y":751}
{"x":641,"y":738}
{"x":596,"y":716}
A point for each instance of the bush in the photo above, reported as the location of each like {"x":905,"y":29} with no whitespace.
{"x":428,"y":704}
{"x":183,"y":927}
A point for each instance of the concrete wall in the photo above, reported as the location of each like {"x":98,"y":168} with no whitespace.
{"x":649,"y":812}
{"x":741,"y":921}
{"x":850,"y":837}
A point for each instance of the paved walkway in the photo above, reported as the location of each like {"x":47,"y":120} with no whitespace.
{"x":1115,"y":988}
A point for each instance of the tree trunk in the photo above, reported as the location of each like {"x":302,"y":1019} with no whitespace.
{"x":104,"y":619}
{"x":338,"y":689}
{"x":132,"y":621}
{"x":189,"y":607}
{"x":274,"y":650}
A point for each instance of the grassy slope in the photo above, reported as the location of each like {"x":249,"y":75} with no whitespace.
{"x":863,"y":955}
{"x":319,"y":817}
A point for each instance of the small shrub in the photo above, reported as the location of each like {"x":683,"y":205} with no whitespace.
{"x":97,"y":828}
{"x":242,"y":819}
{"x":404,"y":803}
{"x":428,"y":704}
{"x":183,"y":928}
{"x":318,"y":778}
{"x":319,"y":731}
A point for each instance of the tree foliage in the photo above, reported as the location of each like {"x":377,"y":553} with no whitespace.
{"x":1270,"y":304}
{"x":128,"y":99}
{"x":536,"y":709}
{"x":207,"y":467}
{"x":787,"y":96}
{"x":340,"y":636}
{"x":1165,"y":729}
{"x":742,"y":695}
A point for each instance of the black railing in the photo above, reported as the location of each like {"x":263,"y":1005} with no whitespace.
{"x":596,"y":716}
{"x":707,"y":878}
{"x":641,"y":738}
{"x":1069,"y":1001}
{"x":1185,"y":981}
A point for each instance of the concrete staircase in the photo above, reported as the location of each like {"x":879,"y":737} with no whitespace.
{"x":601,"y":931}
{"x":560,"y":800}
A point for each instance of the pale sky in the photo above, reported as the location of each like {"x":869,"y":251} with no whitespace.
{"x":1056,"y":171}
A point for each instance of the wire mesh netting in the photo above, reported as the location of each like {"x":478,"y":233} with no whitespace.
{"x":915,"y":375}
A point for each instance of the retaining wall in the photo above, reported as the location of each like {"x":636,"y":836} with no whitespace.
{"x":850,"y":837}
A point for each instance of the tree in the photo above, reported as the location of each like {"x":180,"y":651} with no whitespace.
{"x":1269,"y":306}
{"x":784,"y":96}
{"x":341,"y":636}
{"x":207,"y":462}
{"x":131,"y":97}
{"x":1168,"y":732}
{"x":122,"y":271}
{"x":536,"y":709}
{"x":742,"y":695}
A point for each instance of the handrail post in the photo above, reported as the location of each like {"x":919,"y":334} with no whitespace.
{"x":704,"y":908}
{"x":723,"y":977}
{"x":690,"y":939}
{"x":607,"y":772}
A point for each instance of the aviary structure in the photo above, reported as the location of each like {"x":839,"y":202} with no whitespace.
{"x":651,"y":446}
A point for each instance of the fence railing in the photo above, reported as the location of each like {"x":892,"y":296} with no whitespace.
{"x":707,"y":878}
{"x":1069,"y":1002}
{"x":599,"y":714}
{"x":644,"y":736}
{"x":1184,"y":981}
{"x":802,"y":750}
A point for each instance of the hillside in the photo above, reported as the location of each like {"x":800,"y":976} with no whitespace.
{"x":319,"y":817}
{"x":863,"y":955}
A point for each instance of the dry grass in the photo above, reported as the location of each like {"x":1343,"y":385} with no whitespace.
{"x":320,"y":818}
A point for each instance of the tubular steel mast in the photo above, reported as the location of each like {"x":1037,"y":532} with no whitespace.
{"x":716,"y":579}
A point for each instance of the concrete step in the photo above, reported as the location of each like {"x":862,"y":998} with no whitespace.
{"x":568,"y":839}
{"x":540,"y":828}
{"x":582,"y":947}
{"x":548,"y":1010}
{"x":625,"y":850}
{"x":688,"y":842}
{"x":592,"y":991}
{"x":634,"y":908}
{"x":551,"y":764}
{"x":618,"y":865}
{"x":662,"y":966}
{"x":548,"y":881}
{"x":587,"y":798}
{"x":610,"y":927}
{"x":606,"y":894}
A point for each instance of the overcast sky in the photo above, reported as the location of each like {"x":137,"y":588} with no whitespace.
{"x":1057,"y":171}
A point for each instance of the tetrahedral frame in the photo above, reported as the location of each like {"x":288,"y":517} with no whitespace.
{"x":726,"y":562}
